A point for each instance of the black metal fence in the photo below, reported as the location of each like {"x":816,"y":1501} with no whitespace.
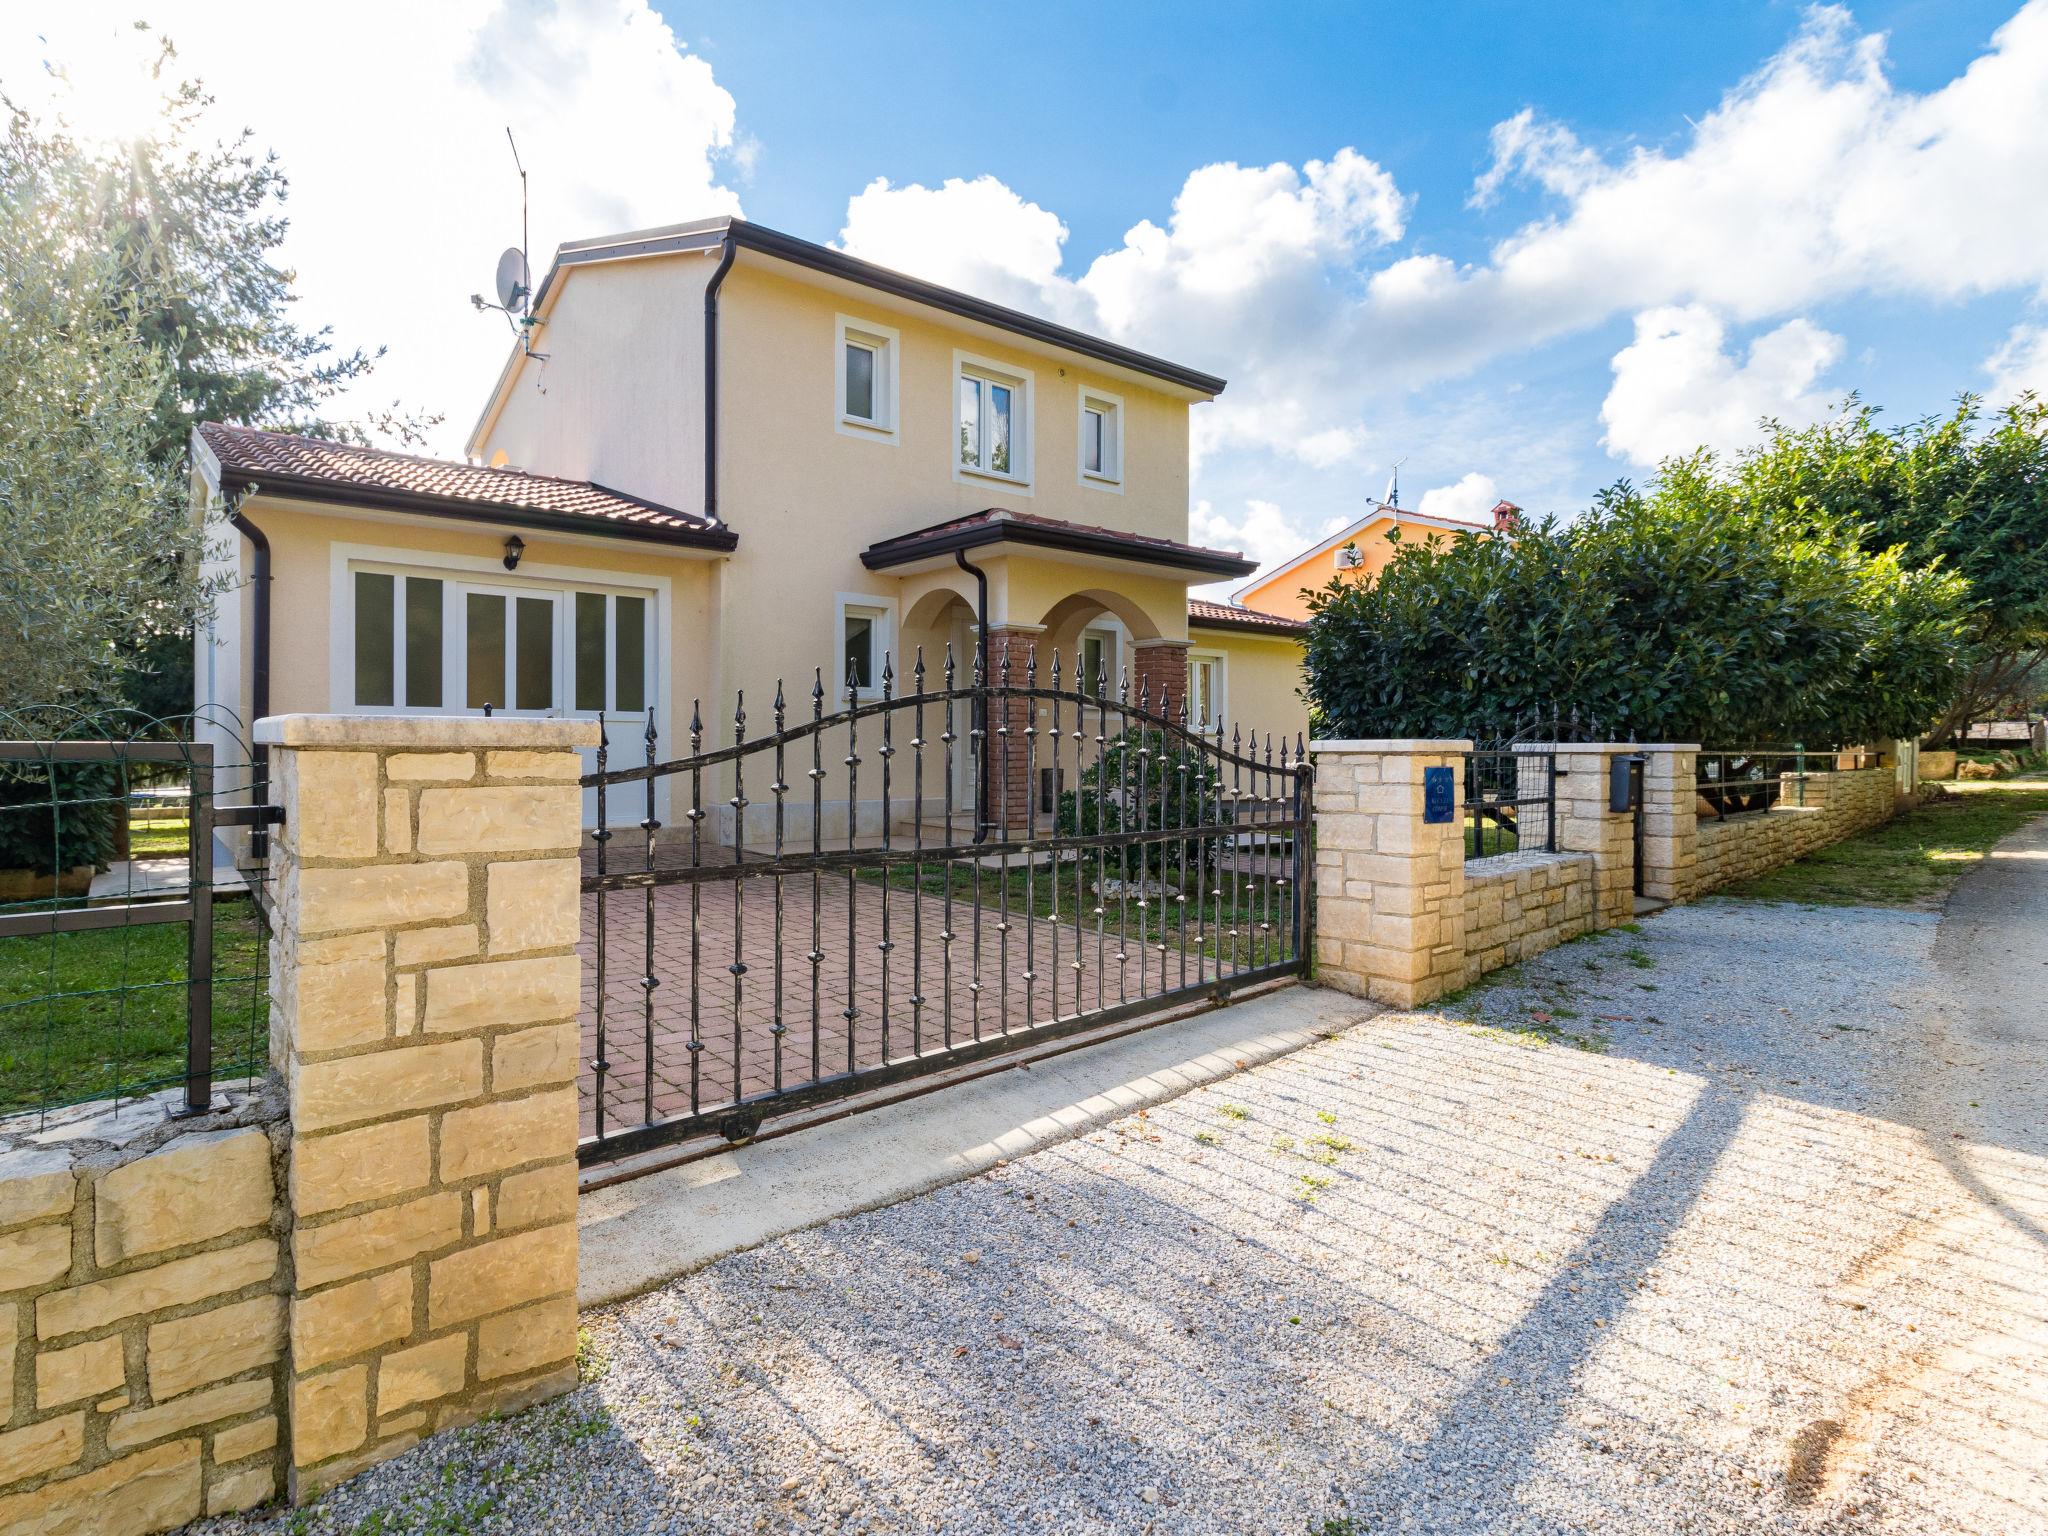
{"x":919,"y":879}
{"x":1510,"y":803}
{"x":131,"y":960}
{"x":1742,"y":781}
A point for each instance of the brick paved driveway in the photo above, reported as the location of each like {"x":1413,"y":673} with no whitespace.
{"x":913,"y":986}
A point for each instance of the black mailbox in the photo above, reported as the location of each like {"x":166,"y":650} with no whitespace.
{"x":1622,"y":779}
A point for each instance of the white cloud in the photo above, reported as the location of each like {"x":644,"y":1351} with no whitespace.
{"x":1814,"y":179}
{"x":976,"y":235}
{"x":1262,"y":531}
{"x":1471,"y":500}
{"x":2020,"y":363}
{"x":1676,"y":387}
{"x":391,"y":124}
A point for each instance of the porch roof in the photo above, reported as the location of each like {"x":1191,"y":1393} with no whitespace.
{"x":1002,"y":525}
{"x":1207,"y":615}
{"x":284,"y":464}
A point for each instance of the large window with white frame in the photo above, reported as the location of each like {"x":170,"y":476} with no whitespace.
{"x":992,"y":419}
{"x":1205,"y":688}
{"x":865,"y":367}
{"x":1102,"y":440}
{"x":444,"y":644}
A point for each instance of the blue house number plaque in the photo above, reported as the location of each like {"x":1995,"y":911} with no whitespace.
{"x":1438,"y":795}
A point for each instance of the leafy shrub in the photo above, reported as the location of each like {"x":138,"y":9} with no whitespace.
{"x":1174,"y":792}
{"x":1689,"y":613}
{"x":49,"y":827}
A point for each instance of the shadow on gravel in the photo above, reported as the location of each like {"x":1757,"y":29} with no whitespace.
{"x":1591,"y":1291}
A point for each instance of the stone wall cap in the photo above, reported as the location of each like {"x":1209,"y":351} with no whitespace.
{"x":426,"y":733}
{"x":1390,"y":747}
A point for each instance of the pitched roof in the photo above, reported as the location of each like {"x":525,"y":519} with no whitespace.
{"x":1229,"y":616}
{"x":1352,"y":530}
{"x":285,"y":464}
{"x":999,"y":525}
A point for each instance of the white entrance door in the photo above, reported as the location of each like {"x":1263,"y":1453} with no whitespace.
{"x":611,"y":638}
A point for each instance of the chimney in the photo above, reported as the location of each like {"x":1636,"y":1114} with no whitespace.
{"x":1506,"y":516}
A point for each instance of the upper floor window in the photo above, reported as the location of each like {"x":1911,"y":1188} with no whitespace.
{"x":993,"y":420}
{"x":1102,"y":439}
{"x":865,"y":384}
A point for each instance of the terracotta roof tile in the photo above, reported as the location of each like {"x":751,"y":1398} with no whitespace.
{"x":293,"y":465}
{"x":1230,"y":616}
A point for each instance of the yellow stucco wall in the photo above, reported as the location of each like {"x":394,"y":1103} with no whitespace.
{"x":1262,"y":680}
{"x":618,"y":396}
{"x":620,"y":401}
{"x":302,"y":554}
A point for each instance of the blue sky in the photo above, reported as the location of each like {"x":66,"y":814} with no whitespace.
{"x":1099,"y":118}
{"x":1524,"y":249}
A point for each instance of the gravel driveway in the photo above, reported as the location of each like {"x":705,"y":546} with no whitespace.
{"x":1669,"y":1231}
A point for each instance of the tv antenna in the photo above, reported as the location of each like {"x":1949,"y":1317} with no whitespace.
{"x":1393,"y":496}
{"x":515,"y":278}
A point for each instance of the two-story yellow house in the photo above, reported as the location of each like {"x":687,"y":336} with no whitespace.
{"x":729,"y":460}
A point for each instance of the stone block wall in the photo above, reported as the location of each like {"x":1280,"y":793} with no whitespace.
{"x":1520,"y":904}
{"x":424,"y":1021}
{"x":142,"y":1317}
{"x":1826,"y":808}
{"x":1390,"y":887}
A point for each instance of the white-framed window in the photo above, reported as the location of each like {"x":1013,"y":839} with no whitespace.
{"x":398,"y":631}
{"x":449,"y":642}
{"x":991,"y":420}
{"x":864,"y":361}
{"x":1206,"y":702}
{"x":865,"y":638}
{"x":1096,"y":656}
{"x":1102,"y":440}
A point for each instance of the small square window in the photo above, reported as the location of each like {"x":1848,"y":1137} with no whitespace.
{"x":860,"y":380}
{"x":864,"y":385}
{"x":863,"y":646}
{"x":1102,"y":458}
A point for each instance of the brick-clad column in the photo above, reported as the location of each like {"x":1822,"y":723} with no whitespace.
{"x":1586,"y":825}
{"x":425,"y":996}
{"x":1390,"y":887}
{"x":1160,"y":675}
{"x":1012,"y":757}
{"x":1671,"y":823}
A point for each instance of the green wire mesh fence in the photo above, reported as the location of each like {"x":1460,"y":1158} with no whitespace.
{"x":133,"y":930}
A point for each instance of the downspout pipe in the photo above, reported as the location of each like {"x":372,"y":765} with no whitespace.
{"x":259,"y":664}
{"x":980,"y":706}
{"x":731,"y":249}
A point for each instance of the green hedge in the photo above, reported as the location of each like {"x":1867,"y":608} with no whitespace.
{"x":1685,"y":614}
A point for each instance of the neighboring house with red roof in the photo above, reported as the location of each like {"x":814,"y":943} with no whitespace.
{"x":1359,"y":552}
{"x":728,"y":460}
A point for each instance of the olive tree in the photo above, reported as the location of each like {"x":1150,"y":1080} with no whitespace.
{"x":97,"y":546}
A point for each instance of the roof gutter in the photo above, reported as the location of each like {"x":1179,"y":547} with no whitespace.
{"x":259,"y":665}
{"x":340,"y":493}
{"x":731,"y":249}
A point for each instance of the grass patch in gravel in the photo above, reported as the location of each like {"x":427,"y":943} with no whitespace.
{"x":1910,"y":861}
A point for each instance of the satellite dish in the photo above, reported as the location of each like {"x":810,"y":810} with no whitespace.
{"x":512,"y":278}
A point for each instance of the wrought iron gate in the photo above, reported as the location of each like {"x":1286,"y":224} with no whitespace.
{"x":1031,"y":860}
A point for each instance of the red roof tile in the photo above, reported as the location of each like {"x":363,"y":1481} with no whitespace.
{"x":287,"y":464}
{"x":1230,"y":616}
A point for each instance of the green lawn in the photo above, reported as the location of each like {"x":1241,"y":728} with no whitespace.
{"x":83,"y":1015}
{"x":1913,"y":859}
